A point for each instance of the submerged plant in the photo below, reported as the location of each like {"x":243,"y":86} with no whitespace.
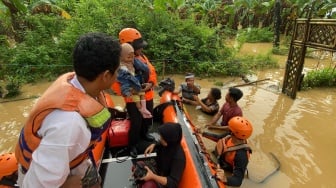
{"x":320,"y":78}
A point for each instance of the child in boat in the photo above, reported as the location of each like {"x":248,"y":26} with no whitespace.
{"x":130,"y":84}
{"x":189,"y":89}
{"x":209,"y":105}
{"x":233,"y":152}
{"x":170,"y":160}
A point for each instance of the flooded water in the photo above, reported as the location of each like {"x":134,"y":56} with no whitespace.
{"x":300,"y":132}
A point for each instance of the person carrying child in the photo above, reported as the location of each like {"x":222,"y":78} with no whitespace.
{"x":130,"y":83}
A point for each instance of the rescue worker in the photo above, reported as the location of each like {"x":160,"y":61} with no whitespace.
{"x":233,"y":152}
{"x":139,"y":126}
{"x":56,"y":142}
{"x":130,"y":85}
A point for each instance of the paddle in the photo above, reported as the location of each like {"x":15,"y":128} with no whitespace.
{"x":249,"y":83}
{"x":19,"y":99}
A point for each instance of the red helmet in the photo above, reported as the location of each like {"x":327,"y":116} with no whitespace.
{"x":8,"y":164}
{"x":132,"y":36}
{"x":240,"y":127}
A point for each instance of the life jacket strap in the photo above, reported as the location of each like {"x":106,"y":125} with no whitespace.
{"x":237,"y":147}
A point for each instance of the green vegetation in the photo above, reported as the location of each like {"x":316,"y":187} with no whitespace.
{"x":320,"y":78}
{"x":37,"y":37}
{"x":255,"y":35}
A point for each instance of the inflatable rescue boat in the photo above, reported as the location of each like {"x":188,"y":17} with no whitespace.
{"x":115,"y":165}
{"x":200,"y":169}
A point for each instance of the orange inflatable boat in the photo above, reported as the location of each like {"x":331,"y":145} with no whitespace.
{"x":199,"y":171}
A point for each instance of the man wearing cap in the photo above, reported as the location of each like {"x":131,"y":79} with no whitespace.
{"x":189,"y":89}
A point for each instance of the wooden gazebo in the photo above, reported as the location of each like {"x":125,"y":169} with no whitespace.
{"x":312,"y":33}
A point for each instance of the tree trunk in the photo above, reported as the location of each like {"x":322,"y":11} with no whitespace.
{"x":15,"y":22}
{"x":277,"y":23}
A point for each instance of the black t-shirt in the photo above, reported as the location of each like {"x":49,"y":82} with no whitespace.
{"x":238,"y":171}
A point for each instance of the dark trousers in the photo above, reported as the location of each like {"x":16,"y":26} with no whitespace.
{"x":147,"y":122}
{"x":136,"y":124}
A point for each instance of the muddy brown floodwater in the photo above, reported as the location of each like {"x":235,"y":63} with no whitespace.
{"x":300,"y":132}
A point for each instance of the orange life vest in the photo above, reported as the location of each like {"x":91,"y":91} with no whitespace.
{"x":62,"y":95}
{"x":149,"y":95}
{"x":227,"y":149}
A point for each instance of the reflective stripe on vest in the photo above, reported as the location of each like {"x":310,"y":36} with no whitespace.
{"x":62,"y":95}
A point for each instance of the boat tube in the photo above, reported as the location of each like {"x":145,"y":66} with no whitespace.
{"x":115,"y":164}
{"x":199,"y":170}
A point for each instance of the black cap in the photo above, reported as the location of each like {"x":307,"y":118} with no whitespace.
{"x":139,"y":43}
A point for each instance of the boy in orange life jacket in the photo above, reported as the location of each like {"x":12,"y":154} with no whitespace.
{"x":233,"y":152}
{"x":130,"y":85}
{"x":68,"y":119}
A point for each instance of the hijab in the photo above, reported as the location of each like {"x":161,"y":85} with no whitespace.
{"x":172,"y":134}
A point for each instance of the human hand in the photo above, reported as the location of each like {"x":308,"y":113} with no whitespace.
{"x":220,"y":174}
{"x":149,"y":175}
{"x":147,"y":86}
{"x":208,"y":125}
{"x":149,"y":149}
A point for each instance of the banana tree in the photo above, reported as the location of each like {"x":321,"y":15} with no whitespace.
{"x":47,"y":7}
{"x":262,"y":11}
{"x":17,"y":10}
{"x":207,"y":10}
{"x":13,"y":9}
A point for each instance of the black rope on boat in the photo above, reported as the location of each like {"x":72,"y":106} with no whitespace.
{"x":205,"y":152}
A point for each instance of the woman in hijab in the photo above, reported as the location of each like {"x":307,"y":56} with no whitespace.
{"x":170,"y":158}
